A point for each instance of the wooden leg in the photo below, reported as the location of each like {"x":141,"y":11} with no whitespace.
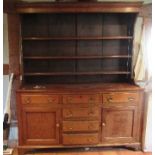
{"x":134,"y":148}
{"x":137,"y":148}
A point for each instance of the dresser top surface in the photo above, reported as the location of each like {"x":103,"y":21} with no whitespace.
{"x":73,"y":88}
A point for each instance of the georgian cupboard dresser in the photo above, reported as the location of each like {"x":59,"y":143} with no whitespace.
{"x":77,"y":87}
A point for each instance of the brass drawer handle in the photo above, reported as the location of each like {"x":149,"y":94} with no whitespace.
{"x":57,"y":125}
{"x":70,"y":128}
{"x":109,"y":99}
{"x":91,"y":113}
{"x":28,"y":100}
{"x":70,"y":99}
{"x":91,"y":99}
{"x":70,"y":113}
{"x":89,"y":140}
{"x":131,"y":99}
{"x":50,"y":100}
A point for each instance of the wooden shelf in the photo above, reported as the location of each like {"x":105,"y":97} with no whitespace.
{"x":75,"y":57}
{"x":75,"y":73}
{"x":76,"y":46}
{"x":79,"y":38}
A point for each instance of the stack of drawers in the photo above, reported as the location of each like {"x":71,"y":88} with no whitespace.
{"x":81,"y":119}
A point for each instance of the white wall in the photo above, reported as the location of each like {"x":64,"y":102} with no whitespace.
{"x":147,"y":1}
{"x":148,"y":134}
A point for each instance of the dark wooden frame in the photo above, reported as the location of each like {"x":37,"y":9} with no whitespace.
{"x":80,"y":7}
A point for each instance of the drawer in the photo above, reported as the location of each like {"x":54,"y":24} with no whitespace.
{"x":80,"y":139}
{"x":91,"y":98}
{"x":71,"y":126}
{"x":120,"y":97}
{"x":28,"y":99}
{"x":81,"y":112}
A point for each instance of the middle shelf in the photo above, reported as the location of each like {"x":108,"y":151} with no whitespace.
{"x":76,"y":73}
{"x":76,"y":57}
{"x":79,"y":38}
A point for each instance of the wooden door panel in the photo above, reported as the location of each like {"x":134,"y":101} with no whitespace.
{"x":41,"y":125}
{"x":119,"y":125}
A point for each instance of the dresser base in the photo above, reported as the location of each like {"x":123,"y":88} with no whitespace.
{"x":60,"y":148}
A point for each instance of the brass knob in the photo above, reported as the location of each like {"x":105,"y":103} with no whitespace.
{"x":103,"y":124}
{"x":70,"y":128}
{"x":57,"y":125}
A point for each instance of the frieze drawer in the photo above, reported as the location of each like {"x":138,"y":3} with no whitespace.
{"x":81,"y":112}
{"x":91,"y":98}
{"x":42,"y":99}
{"x":80,"y":126}
{"x":120,"y":97}
{"x":80,"y":139}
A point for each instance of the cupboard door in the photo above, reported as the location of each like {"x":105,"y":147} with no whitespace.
{"x":41,"y":125}
{"x":119,"y":125}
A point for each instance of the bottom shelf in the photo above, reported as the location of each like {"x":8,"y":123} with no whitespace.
{"x":76,"y":73}
{"x":76,"y":79}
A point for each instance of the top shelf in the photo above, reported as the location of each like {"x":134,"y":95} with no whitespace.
{"x":79,"y":38}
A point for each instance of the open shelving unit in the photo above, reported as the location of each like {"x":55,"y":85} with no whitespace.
{"x":77,"y":47}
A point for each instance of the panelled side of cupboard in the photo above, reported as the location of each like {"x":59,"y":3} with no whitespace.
{"x":77,"y":87}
